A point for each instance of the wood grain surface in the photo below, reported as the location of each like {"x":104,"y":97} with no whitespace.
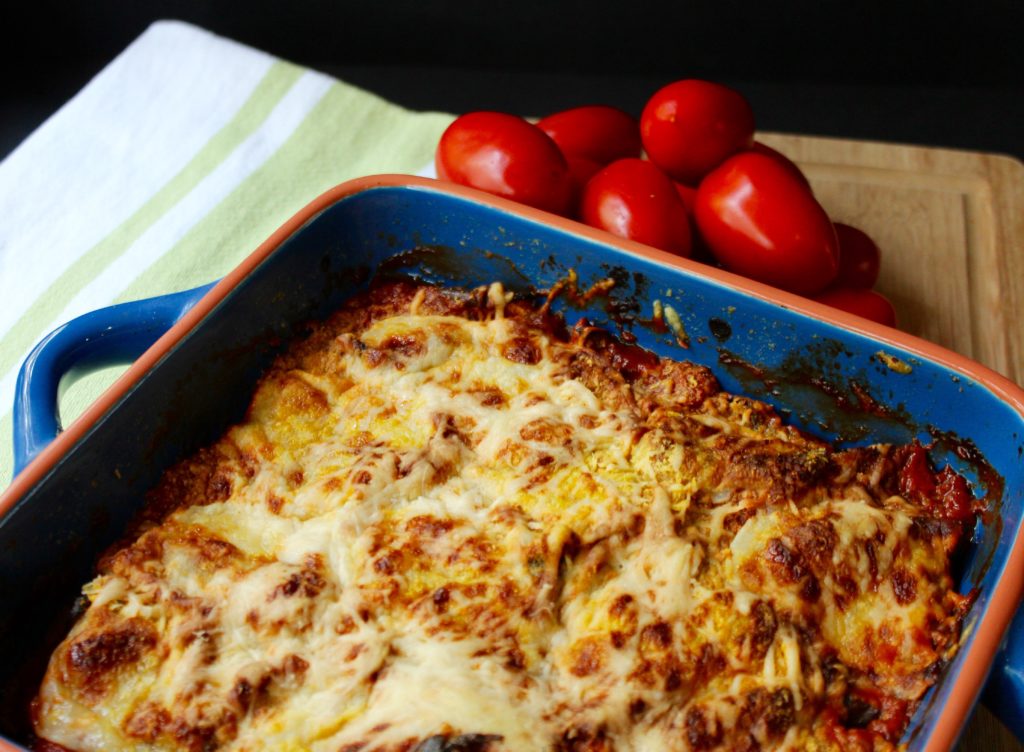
{"x":951,"y":228}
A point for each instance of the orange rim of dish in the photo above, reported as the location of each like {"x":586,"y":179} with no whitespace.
{"x":1005,"y":596}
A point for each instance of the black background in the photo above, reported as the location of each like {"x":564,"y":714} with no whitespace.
{"x":938,"y":73}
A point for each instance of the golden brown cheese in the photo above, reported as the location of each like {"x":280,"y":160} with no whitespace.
{"x":446,"y":524}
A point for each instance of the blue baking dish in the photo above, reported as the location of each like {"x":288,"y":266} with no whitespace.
{"x":200,"y":352}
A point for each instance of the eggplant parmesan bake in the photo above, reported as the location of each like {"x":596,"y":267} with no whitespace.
{"x":448,"y":522}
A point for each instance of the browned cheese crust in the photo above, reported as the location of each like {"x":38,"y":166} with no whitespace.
{"x":449,"y":523}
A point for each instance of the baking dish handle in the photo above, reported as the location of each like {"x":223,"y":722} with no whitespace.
{"x":1004,"y":693}
{"x":109,"y":336}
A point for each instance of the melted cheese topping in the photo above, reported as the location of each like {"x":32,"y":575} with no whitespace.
{"x":443,"y":531}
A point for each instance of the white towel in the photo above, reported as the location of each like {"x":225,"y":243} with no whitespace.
{"x":165,"y":171}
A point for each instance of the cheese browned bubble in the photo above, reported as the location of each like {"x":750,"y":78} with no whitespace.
{"x":447,"y":524}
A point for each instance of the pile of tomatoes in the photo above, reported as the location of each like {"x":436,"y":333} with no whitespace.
{"x":705,"y":190}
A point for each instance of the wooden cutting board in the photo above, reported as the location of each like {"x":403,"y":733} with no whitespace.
{"x":951,"y":228}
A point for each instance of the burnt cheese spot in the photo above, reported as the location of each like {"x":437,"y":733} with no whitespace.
{"x":784,"y":563}
{"x":702,"y":728}
{"x":789,"y":568}
{"x":547,"y":432}
{"x":490,"y":396}
{"x":904,"y":586}
{"x":815,"y":541}
{"x":584,"y":738}
{"x":384,"y":565}
{"x":147,"y":722}
{"x":274,"y":503}
{"x":91,"y":656}
{"x":429,"y":526}
{"x":589,"y":657}
{"x":768,"y":713}
{"x":656,"y":637}
{"x":521,"y":350}
{"x":307,"y":582}
{"x":406,"y":345}
{"x":765,"y":624}
{"x":440,"y":598}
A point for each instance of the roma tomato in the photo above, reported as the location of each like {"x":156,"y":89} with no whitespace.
{"x":699,"y":250}
{"x":765,"y":149}
{"x":859,"y":258}
{"x":599,"y":133}
{"x":633,"y":199}
{"x":581,"y":170}
{"x":689,"y":127}
{"x":760,"y":221}
{"x":860,"y":302}
{"x":688,"y":195}
{"x":507,"y":156}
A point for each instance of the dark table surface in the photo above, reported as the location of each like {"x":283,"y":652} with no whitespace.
{"x":981,"y":118}
{"x":942,"y":73}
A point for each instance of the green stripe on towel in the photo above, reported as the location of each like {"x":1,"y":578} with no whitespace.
{"x":349,"y":133}
{"x":29,"y":328}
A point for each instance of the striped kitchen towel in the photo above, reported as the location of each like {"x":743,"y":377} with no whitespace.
{"x":165,"y":171}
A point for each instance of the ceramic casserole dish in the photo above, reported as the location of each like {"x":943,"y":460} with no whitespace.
{"x":199,"y":354}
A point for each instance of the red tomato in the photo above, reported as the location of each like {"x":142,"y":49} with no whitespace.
{"x":507,"y":156}
{"x":600,"y":133}
{"x":860,"y":302}
{"x":946,"y":492}
{"x":956,"y":502}
{"x":915,"y":475}
{"x":698,"y":248}
{"x":765,"y":149}
{"x":689,"y":127}
{"x":633,"y":199}
{"x":581,"y":170}
{"x":858,"y":257}
{"x":688,"y":195}
{"x":760,"y":221}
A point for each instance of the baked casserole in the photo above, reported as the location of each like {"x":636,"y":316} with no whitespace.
{"x":448,"y":522}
